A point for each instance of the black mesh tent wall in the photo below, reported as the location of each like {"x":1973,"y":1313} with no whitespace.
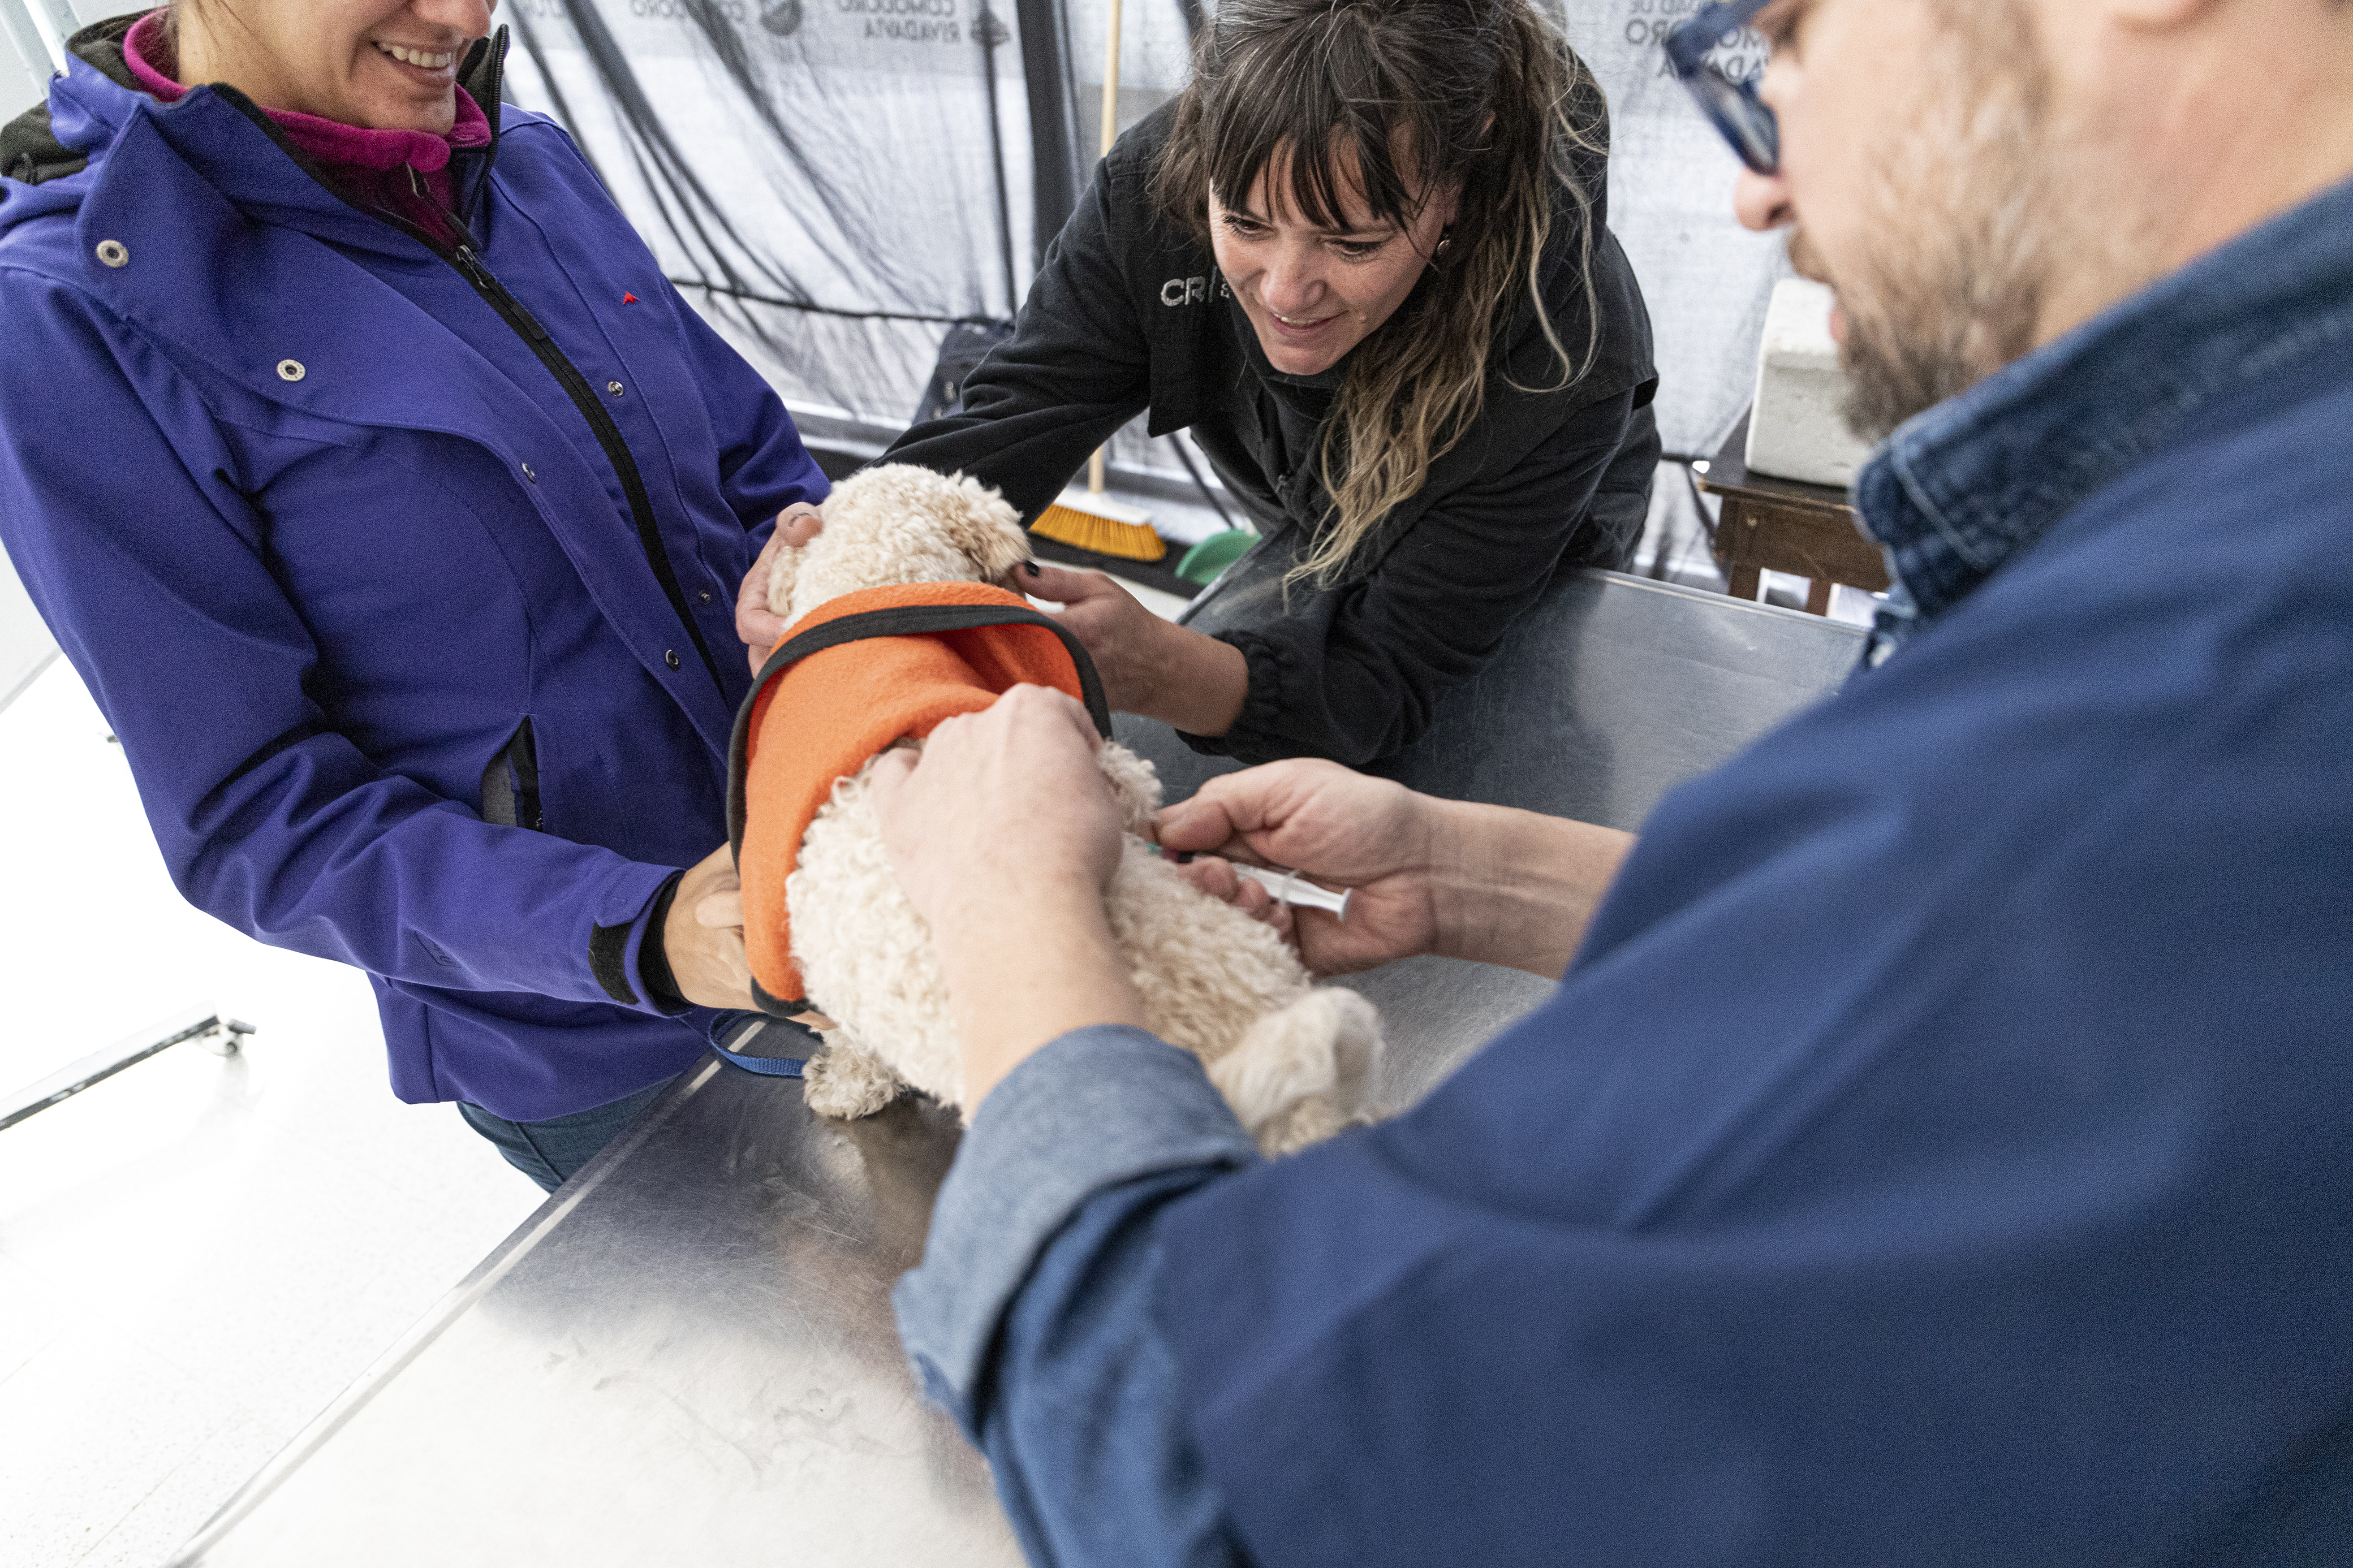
{"x":834,"y":181}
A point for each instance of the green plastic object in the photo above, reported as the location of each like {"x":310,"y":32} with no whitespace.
{"x":1214,"y":555}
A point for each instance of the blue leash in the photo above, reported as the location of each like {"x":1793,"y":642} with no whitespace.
{"x":766,"y":1066}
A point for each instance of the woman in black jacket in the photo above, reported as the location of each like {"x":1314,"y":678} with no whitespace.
{"x":1363,"y":258}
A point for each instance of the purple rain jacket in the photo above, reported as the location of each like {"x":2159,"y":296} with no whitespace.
{"x":406,"y":578}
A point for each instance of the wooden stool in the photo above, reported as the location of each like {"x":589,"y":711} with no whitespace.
{"x":1780,"y":525}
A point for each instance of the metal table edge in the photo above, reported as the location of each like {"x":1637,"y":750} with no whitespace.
{"x":1754,"y":607}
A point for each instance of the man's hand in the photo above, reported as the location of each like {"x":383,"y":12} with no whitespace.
{"x":1004,"y":833}
{"x":760,"y":627}
{"x":1007,"y":799}
{"x":1482,"y":882}
{"x":1148,"y":666}
{"x":703,"y":935}
{"x":1339,"y":828}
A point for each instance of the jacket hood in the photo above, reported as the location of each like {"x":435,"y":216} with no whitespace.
{"x":29,"y":149}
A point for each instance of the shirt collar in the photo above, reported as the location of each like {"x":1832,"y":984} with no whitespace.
{"x":1979,"y":479}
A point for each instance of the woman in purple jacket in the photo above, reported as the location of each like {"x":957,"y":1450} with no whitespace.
{"x":393,"y":508}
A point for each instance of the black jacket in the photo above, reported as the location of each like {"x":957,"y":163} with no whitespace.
{"x":1129,"y":313}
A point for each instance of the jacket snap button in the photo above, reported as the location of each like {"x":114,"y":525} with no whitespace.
{"x":670,"y":657}
{"x":529,"y":475}
{"x":614,"y":387}
{"x":291,"y":370}
{"x":115,"y":253}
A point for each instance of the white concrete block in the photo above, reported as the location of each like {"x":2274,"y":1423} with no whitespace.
{"x":1794,"y":430}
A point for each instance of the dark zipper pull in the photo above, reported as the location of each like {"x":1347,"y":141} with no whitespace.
{"x":476,"y":273}
{"x":480,"y":277}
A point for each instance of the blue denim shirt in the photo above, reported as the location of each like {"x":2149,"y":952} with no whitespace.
{"x":1964,"y":488}
{"x":1051,"y":1314}
{"x":1040,"y":1275}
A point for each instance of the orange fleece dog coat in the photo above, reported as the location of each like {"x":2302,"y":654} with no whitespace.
{"x":851,"y":677}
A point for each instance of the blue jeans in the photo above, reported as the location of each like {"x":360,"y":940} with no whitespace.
{"x":549,"y":1151}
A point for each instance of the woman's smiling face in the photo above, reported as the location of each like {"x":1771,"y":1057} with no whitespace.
{"x":1313,"y":292}
{"x":383,"y":64}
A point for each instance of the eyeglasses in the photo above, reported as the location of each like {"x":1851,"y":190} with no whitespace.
{"x":1733,"y":107}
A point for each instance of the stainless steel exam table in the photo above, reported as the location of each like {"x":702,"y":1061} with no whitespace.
{"x":687,"y":1355}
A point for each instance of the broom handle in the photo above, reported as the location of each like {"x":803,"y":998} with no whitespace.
{"x":1110,"y":135}
{"x":1111,"y":77}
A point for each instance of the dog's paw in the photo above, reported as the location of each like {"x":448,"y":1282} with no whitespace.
{"x":845,"y":1084}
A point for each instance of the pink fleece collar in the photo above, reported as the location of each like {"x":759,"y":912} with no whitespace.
{"x":149,"y":55}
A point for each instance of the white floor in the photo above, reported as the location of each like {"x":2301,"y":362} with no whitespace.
{"x":197,"y":1255}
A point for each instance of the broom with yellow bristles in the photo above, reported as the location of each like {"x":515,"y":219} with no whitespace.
{"x":1090,"y":519}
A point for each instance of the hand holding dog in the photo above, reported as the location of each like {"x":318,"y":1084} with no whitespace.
{"x":703,"y":935}
{"x":954,"y":909}
{"x":1004,"y":835}
{"x":1148,"y":666}
{"x":761,"y":627}
{"x":1006,"y":801}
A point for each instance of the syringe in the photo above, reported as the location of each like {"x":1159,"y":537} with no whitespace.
{"x":1291,"y":888}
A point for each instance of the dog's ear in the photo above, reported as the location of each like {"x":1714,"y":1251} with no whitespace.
{"x":986,"y":529}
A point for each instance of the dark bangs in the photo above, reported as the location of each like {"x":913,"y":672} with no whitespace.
{"x":1299,"y":98}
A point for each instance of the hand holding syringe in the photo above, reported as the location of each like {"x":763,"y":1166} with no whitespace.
{"x":1288,"y":887}
{"x":1291,"y":888}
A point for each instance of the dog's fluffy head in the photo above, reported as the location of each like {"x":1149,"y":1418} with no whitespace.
{"x":899,"y":523}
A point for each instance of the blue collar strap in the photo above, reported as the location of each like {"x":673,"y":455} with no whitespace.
{"x":768,"y":1037}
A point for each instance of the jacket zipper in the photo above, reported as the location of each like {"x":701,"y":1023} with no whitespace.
{"x":526,"y":326}
{"x":609,"y":435}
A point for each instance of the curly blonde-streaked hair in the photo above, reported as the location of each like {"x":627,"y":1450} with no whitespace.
{"x":1421,"y":95}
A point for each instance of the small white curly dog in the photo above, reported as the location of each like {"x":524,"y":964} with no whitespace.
{"x":1295,"y":1061}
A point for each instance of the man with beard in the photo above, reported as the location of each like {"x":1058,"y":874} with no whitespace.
{"x":1941,"y":1147}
